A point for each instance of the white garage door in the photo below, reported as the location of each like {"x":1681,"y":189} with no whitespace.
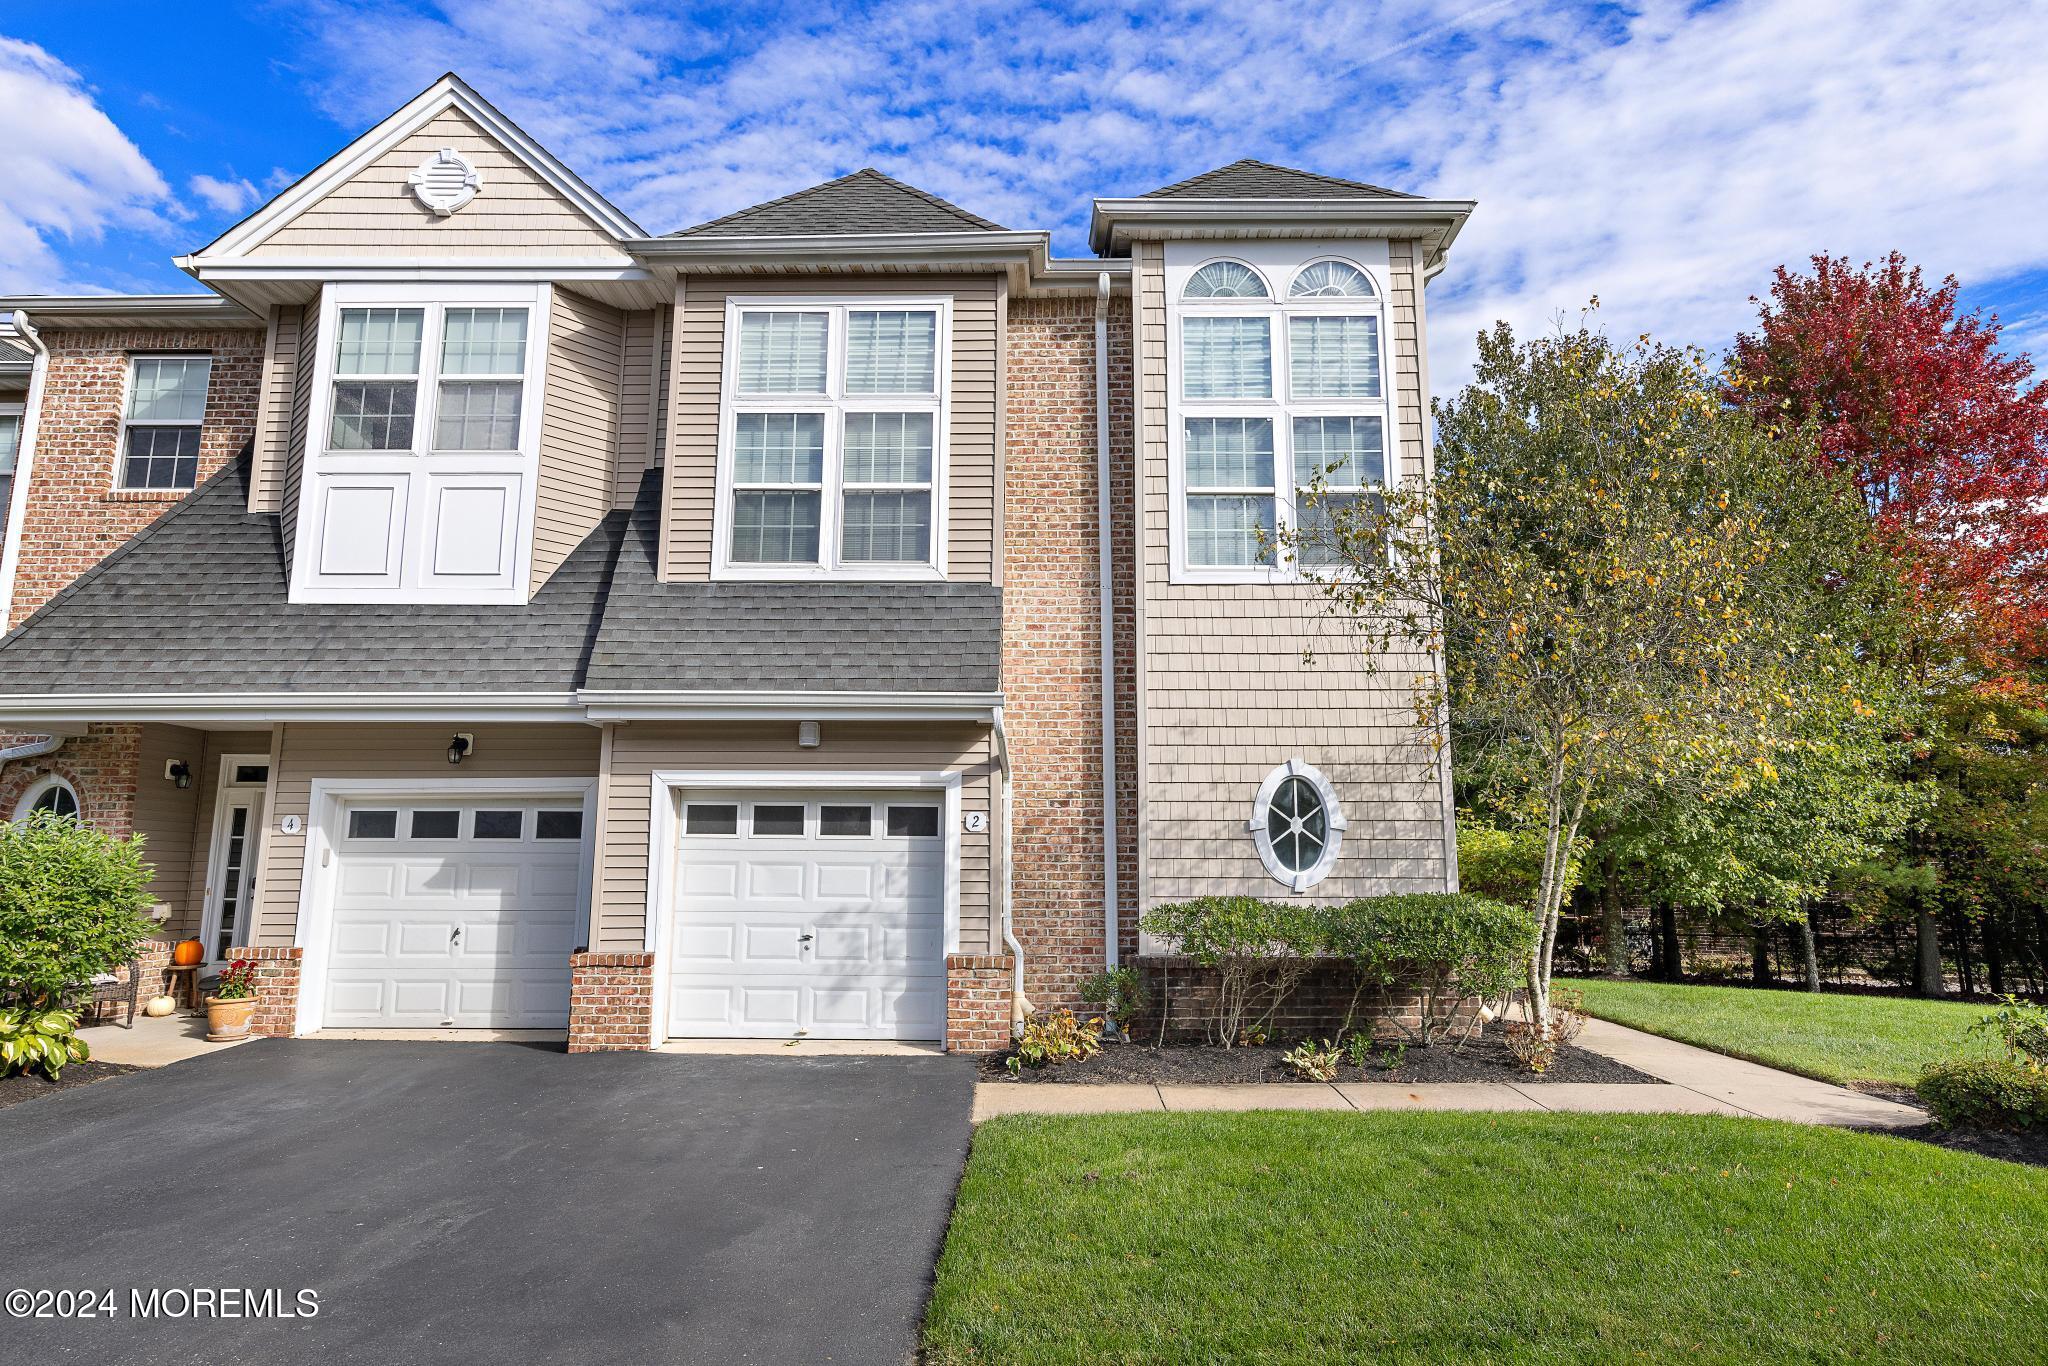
{"x":454,"y":914}
{"x":819,"y":912}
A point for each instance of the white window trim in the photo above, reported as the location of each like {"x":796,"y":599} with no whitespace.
{"x":1333,"y":816}
{"x":121,"y":484}
{"x":9,"y":408}
{"x":835,"y":403}
{"x":435,"y":297}
{"x":1281,"y":408}
{"x":45,"y":784}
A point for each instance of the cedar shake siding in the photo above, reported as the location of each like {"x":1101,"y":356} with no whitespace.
{"x":696,"y":376}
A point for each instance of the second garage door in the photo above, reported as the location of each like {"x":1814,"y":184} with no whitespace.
{"x":820,"y":913}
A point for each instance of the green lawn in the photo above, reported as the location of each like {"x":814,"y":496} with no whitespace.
{"x":1458,"y":1237}
{"x":1837,"y":1038}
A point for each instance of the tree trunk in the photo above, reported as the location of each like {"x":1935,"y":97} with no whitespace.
{"x":1667,"y":932}
{"x":1760,"y":954}
{"x":1966,"y":964}
{"x":1994,"y":953}
{"x":1613,"y":928}
{"x":1927,"y":972}
{"x":1809,"y":957}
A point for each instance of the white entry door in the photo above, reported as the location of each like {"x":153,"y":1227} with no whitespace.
{"x":454,"y":914}
{"x":234,"y":852}
{"x":822,"y":913}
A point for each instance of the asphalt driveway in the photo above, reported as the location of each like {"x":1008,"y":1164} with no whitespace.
{"x":488,"y":1203}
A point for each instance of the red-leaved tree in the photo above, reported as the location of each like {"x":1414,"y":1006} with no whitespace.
{"x":1946,"y":436}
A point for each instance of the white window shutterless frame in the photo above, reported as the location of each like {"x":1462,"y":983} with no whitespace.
{"x":833,"y":462}
{"x":1238,"y":461}
{"x":10,"y":454}
{"x":412,"y":521}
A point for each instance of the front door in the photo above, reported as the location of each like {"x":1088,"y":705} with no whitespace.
{"x":237,"y":840}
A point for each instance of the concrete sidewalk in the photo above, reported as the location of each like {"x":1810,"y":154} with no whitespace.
{"x":154,"y":1041}
{"x":1700,"y":1083}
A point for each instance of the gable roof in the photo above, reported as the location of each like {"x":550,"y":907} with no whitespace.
{"x":864,"y":202}
{"x":1248,"y":179}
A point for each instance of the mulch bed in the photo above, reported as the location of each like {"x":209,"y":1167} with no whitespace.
{"x":27,"y":1086}
{"x":1482,"y":1059}
{"x":2029,"y":1145}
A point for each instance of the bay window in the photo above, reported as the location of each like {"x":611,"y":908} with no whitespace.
{"x":1279,"y":412}
{"x":832,"y":433}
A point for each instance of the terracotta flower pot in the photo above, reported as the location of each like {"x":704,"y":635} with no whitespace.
{"x":227,"y":1020}
{"x":187,"y":952}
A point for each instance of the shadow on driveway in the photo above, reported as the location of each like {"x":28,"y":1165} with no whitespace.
{"x":491,"y":1203}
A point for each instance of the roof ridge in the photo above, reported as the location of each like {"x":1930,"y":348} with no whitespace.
{"x":866,"y":172}
{"x":1243,"y":162}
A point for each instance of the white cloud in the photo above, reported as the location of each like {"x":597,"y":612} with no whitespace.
{"x":66,"y":171}
{"x":228,"y":196}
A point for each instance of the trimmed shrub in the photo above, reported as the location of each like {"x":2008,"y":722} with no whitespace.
{"x":73,"y":903}
{"x":1446,"y":946}
{"x":1985,"y":1093}
{"x":1259,"y":950}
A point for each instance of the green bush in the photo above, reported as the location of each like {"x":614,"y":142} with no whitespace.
{"x":72,"y":904}
{"x":45,"y":1039}
{"x":1446,"y":946}
{"x":1259,"y":951}
{"x":1985,"y":1093}
{"x":2023,"y":1028}
{"x":1506,"y":864}
{"x":1120,"y":993}
{"x":1047,"y":1041}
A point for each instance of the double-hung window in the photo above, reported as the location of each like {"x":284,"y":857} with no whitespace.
{"x":10,"y":453}
{"x":472,"y":371}
{"x":1280,"y":413}
{"x":161,"y":423}
{"x":833,"y":435}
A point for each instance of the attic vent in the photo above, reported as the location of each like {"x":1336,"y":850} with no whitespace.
{"x":445,"y":181}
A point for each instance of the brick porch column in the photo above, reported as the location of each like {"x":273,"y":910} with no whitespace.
{"x":978,"y":993}
{"x":611,"y":1001}
{"x":277,"y":989}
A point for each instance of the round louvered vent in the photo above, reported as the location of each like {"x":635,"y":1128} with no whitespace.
{"x":445,"y":181}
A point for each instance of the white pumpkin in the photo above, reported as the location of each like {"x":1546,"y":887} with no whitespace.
{"x":159,"y":1006}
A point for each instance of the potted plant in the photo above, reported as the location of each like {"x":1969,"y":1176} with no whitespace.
{"x":232,"y":1003}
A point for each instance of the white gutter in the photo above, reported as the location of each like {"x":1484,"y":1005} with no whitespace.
{"x":1019,"y":1006}
{"x":602,"y":705}
{"x":1105,"y":577}
{"x":24,"y":462}
{"x":264,"y":708}
{"x":1388,"y":217}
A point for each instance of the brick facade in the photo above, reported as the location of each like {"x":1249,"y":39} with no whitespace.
{"x":1052,"y":675}
{"x":277,"y":990}
{"x":74,"y":516}
{"x":978,"y":988}
{"x":611,"y":1001}
{"x":100,"y":765}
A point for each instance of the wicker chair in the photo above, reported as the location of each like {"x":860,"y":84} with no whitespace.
{"x":109,"y":989}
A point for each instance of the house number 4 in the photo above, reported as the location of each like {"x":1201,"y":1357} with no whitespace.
{"x":976,"y":822}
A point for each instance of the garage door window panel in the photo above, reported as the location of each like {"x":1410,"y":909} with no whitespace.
{"x":499,"y":825}
{"x":558,"y":825}
{"x":436,"y":825}
{"x":914,"y":822}
{"x":778,"y":820}
{"x":365,"y":824}
{"x":711,"y":818}
{"x":845,"y":822}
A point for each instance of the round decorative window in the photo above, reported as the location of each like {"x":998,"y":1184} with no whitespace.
{"x":53,"y":795}
{"x":1297,"y":825}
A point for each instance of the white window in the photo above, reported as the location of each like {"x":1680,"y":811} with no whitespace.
{"x":10,"y":453}
{"x":421,"y":480}
{"x":832,"y":439}
{"x":1297,"y":825}
{"x":161,"y":422}
{"x":1279,"y":404}
{"x":51,"y":794}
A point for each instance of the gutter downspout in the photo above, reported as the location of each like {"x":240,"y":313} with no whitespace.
{"x":1105,"y":576}
{"x":24,"y":463}
{"x":1019,"y":1006}
{"x":34,"y":749}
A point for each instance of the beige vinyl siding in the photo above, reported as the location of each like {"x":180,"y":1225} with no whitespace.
{"x":297,"y":433}
{"x":165,"y":816}
{"x":396,"y":754}
{"x":696,"y":373}
{"x":640,"y":750}
{"x":579,"y":427}
{"x":374,"y":213}
{"x":274,"y":409}
{"x":1225,"y":695}
{"x":205,"y":793}
{"x":639,"y":418}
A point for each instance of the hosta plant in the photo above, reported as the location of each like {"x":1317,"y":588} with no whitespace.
{"x":1315,"y":1061}
{"x":33,"y":1040}
{"x":1056,"y":1038}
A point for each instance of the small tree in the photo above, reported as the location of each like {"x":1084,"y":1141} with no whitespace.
{"x":73,"y":903}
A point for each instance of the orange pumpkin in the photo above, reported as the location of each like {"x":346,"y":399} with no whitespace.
{"x":187,"y":952}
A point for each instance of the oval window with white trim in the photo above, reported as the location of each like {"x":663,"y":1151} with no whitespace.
{"x":1298,"y":825}
{"x":51,"y":794}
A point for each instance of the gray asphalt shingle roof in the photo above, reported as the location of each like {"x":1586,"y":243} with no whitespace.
{"x":199,"y":603}
{"x":1250,"y":179}
{"x":865,"y":201}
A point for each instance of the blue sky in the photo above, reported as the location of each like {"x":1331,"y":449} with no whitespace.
{"x":1662,"y":156}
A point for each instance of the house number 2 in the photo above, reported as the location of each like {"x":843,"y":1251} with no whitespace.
{"x":976,"y":822}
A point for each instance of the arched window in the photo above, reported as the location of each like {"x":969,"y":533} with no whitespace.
{"x":1331,"y":280}
{"x":1226,"y":280}
{"x":51,"y":794}
{"x":1298,"y":825}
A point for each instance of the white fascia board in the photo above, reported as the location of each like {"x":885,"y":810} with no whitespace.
{"x":259,"y":708}
{"x":451,"y":91}
{"x":122,"y":310}
{"x":836,"y":706}
{"x":1027,"y":249}
{"x":1111,"y":216}
{"x":330,"y":270}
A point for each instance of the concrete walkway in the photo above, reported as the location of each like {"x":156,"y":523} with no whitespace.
{"x":153,"y":1042}
{"x":1701,"y":1083}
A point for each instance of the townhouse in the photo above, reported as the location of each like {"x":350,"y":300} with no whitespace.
{"x":841,"y":618}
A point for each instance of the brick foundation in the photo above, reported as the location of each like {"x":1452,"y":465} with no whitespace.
{"x":978,"y":988}
{"x":611,"y":1001}
{"x":1314,"y":1010}
{"x":277,"y":989}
